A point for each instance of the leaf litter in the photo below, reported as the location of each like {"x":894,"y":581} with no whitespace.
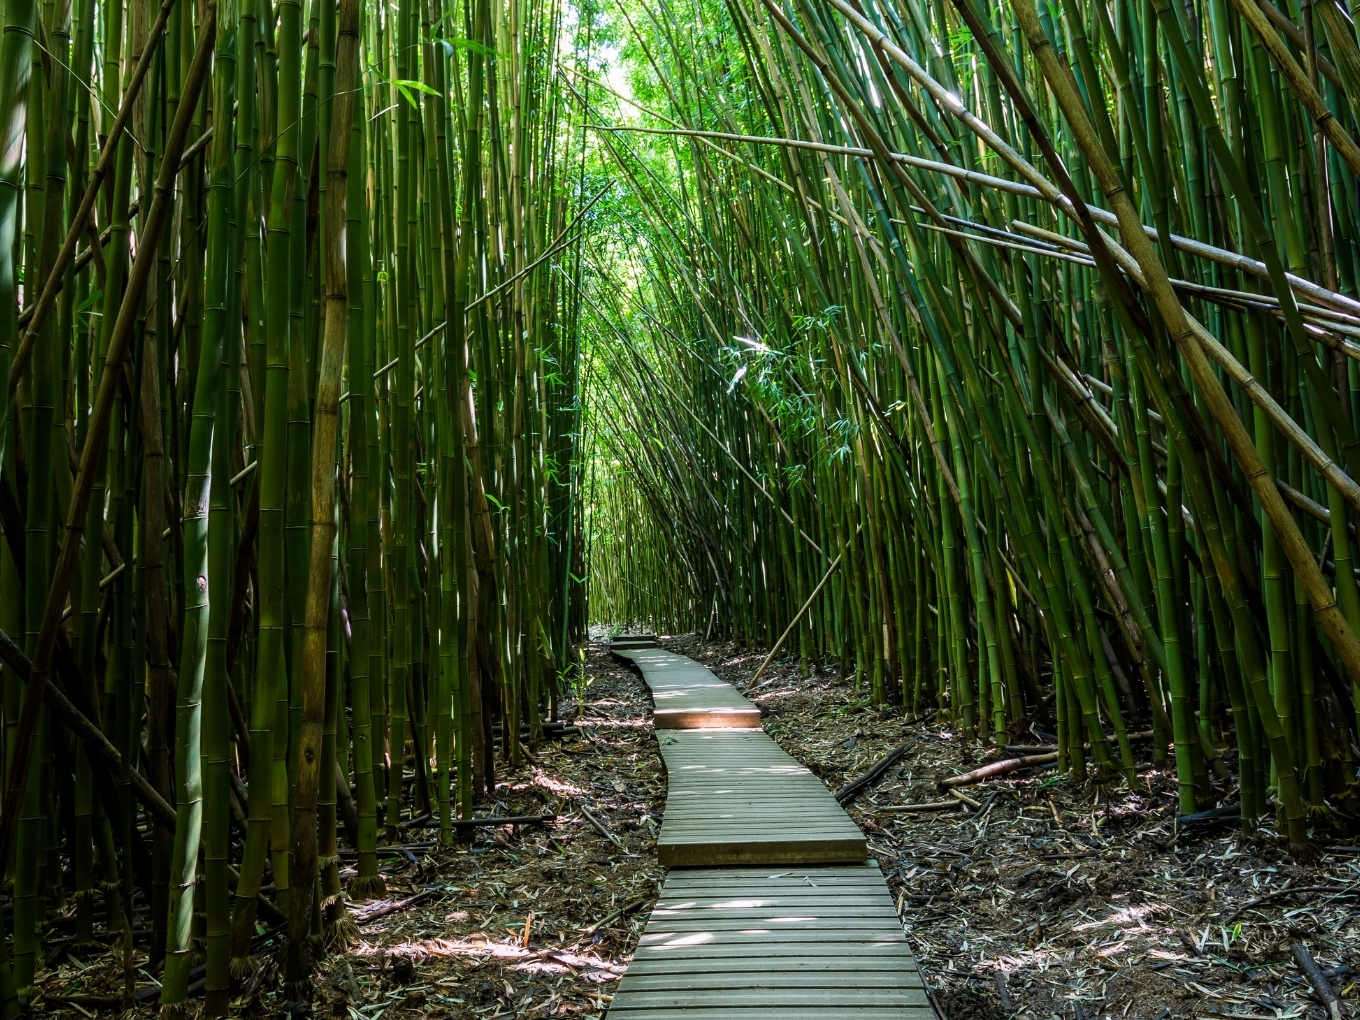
{"x":521,"y":921}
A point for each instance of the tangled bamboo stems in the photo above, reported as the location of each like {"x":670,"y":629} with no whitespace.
{"x":1038,"y":318}
{"x":271,"y":568}
{"x":358,"y":355}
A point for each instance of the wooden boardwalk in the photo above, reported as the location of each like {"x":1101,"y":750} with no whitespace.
{"x":804,"y":929}
{"x":734,"y":797}
{"x":687,"y":695}
{"x":749,"y":943}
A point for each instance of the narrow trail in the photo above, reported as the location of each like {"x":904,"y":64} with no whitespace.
{"x":730,"y":937}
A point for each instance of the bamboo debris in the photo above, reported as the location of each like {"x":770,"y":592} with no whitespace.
{"x":998,"y":768}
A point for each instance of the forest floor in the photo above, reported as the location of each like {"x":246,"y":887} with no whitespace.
{"x":1054,"y":899}
{"x":1064,"y":899}
{"x":523,"y":921}
{"x":528,"y":921}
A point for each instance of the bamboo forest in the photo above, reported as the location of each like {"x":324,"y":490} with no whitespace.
{"x":426,"y":424}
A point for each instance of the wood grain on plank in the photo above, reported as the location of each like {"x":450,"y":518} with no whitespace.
{"x":688,"y":695}
{"x":734,"y":797}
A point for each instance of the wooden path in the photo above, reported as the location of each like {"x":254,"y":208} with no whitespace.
{"x":734,"y":797}
{"x":687,"y":696}
{"x":806,"y":929}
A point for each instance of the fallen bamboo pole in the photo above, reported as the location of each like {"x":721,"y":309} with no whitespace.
{"x":998,"y":768}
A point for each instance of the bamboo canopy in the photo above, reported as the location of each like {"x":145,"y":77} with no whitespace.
{"x":358,"y":357}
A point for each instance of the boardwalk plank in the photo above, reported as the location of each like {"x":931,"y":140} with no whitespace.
{"x":782,"y":979}
{"x":761,"y":943}
{"x":866,"y":955}
{"x":844,"y":968}
{"x":681,"y":940}
{"x":686,"y":694}
{"x":756,"y":1012}
{"x":735,"y":797}
{"x":828,"y":994}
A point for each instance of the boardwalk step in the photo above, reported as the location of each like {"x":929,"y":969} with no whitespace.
{"x":687,"y":695}
{"x":625,"y":642}
{"x":728,"y":943}
{"x":735,"y":797}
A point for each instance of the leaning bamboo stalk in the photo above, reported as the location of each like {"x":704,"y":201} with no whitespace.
{"x":1320,"y":595}
{"x":96,"y":743}
{"x":1304,"y":89}
{"x":774,"y":650}
{"x":1258,"y":394}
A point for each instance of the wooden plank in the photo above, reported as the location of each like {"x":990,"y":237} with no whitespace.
{"x":785,"y":917}
{"x":705,"y":718}
{"x":704,"y":894}
{"x":753,"y":819}
{"x":674,"y":917}
{"x":846,"y":967}
{"x":778,"y":914}
{"x":773,"y":882}
{"x":760,"y":951}
{"x":864,"y":928}
{"x":693,"y":855}
{"x":748,"y":1012}
{"x":833,"y":996}
{"x":786,"y":902}
{"x":736,"y":798}
{"x":783,"y":979}
{"x":744,"y":821}
{"x":788,"y":899}
{"x":764,"y":944}
{"x":725,"y":954}
{"x":668,"y":940}
{"x":687,"y":695}
{"x":777,"y":882}
{"x":854,"y":955}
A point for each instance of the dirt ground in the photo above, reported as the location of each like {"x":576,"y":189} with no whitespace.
{"x":1059,"y":899}
{"x":1049,"y":900}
